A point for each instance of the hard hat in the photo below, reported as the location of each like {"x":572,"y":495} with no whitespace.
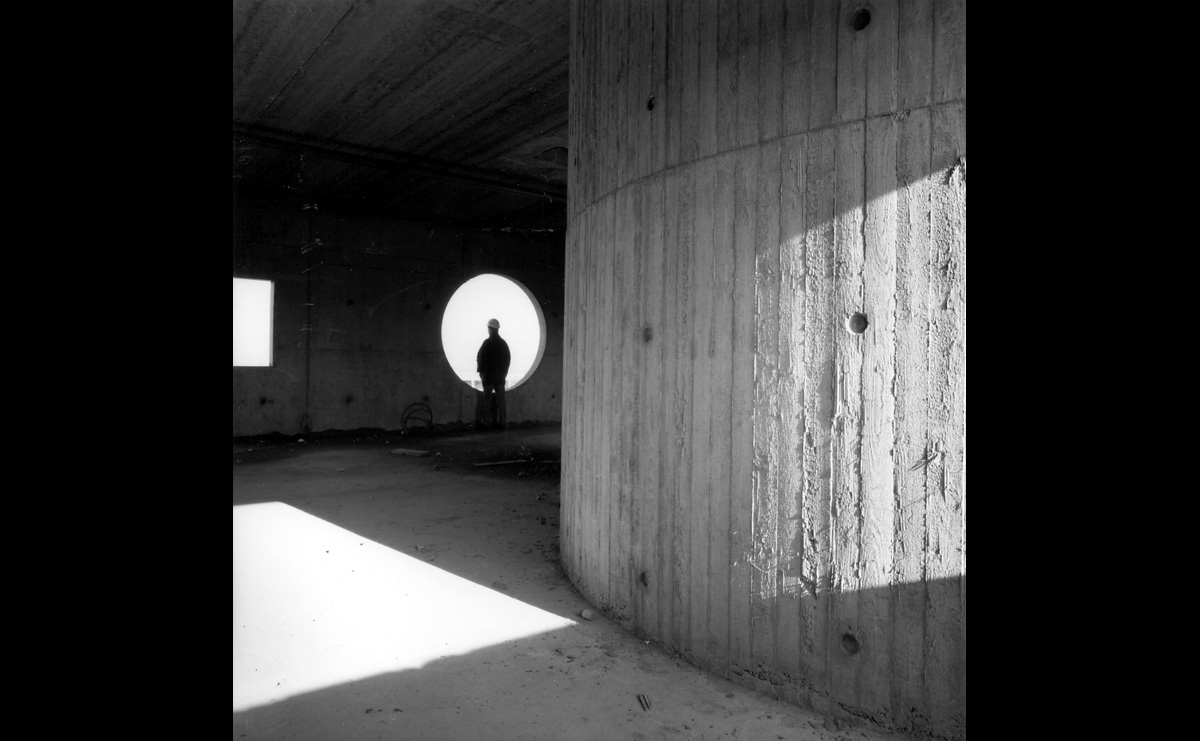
{"x":493,"y":323}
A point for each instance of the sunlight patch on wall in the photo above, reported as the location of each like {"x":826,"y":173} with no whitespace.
{"x":315,"y":605}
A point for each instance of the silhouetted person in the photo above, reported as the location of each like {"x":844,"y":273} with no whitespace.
{"x":491,"y":362}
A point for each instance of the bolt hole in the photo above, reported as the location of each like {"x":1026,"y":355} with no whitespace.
{"x":850,"y":644}
{"x":860,"y":19}
{"x":857,"y":323}
{"x":650,"y":103}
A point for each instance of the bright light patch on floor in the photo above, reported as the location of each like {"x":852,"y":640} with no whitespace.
{"x":252,"y":305}
{"x":522,"y":325}
{"x":315,"y":606}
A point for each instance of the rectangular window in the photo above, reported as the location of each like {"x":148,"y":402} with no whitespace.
{"x":253,"y":304}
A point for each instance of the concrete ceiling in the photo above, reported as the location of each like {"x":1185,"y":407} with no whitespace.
{"x":445,"y":110}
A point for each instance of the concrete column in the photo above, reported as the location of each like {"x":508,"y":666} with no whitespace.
{"x":764,"y":415}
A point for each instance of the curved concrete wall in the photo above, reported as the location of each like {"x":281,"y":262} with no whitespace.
{"x":765,"y":351}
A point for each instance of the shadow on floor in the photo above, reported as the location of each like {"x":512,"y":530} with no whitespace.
{"x":333,"y":638}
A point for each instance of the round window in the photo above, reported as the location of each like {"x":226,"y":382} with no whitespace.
{"x":465,"y":327}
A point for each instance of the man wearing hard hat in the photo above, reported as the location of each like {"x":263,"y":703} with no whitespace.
{"x":491,"y":363}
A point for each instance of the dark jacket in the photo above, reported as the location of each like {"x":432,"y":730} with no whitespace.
{"x":492,"y":361}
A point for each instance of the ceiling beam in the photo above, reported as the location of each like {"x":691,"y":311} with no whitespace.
{"x":395,"y":161}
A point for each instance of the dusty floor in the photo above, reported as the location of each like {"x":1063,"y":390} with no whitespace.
{"x":388,"y":596}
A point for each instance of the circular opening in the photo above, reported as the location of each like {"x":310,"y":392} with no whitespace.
{"x":522,"y":325}
{"x":857,"y":323}
{"x":860,"y":19}
{"x":850,"y":644}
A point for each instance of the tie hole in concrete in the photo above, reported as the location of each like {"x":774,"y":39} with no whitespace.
{"x":857,"y":323}
{"x":850,"y":644}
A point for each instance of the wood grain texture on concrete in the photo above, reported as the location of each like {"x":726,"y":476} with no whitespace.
{"x":766,"y":298}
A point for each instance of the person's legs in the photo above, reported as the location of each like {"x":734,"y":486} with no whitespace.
{"x":501,"y":416}
{"x":489,"y":406}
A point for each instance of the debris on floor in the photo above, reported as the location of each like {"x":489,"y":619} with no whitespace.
{"x":500,"y":463}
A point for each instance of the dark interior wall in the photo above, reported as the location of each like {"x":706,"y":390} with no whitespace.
{"x":358,"y":307}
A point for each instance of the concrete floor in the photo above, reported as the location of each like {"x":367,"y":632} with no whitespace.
{"x":388,"y":596}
